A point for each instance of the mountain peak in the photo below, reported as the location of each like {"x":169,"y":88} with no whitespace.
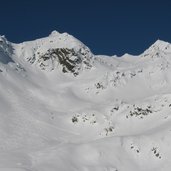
{"x":160,"y":45}
{"x":2,"y":39}
{"x":54,"y":33}
{"x":57,"y":51}
{"x":65,"y":35}
{"x":5,"y":50}
{"x":157,"y":49}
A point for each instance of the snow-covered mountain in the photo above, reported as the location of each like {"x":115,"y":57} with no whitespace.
{"x":63,"y":108}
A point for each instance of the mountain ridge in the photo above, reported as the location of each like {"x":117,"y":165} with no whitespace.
{"x":160,"y":44}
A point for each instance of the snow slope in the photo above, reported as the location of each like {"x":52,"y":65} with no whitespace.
{"x":63,"y":108}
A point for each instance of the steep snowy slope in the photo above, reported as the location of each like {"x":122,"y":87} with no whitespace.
{"x":63,"y":108}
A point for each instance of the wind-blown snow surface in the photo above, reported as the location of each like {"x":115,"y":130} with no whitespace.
{"x":63,"y":108}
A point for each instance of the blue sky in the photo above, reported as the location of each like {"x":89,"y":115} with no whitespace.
{"x":107,"y":27}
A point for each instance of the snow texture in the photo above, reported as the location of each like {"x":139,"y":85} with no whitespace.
{"x":63,"y":108}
